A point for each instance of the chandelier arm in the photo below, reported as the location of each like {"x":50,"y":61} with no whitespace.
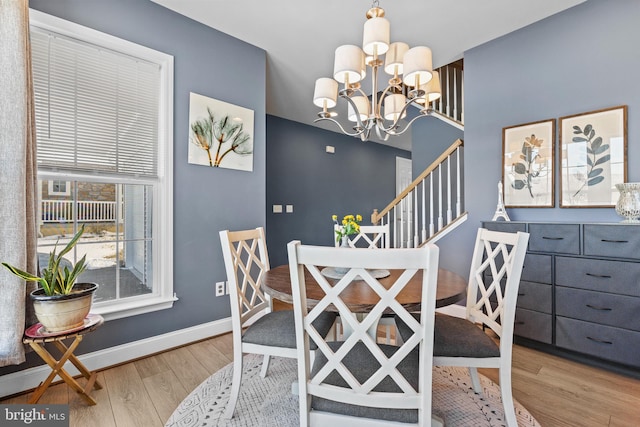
{"x":408,"y":124}
{"x":357,"y":133}
{"x":397,"y":120}
{"x":378,"y":132}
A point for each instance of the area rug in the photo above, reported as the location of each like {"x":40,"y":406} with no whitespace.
{"x":268,"y":402}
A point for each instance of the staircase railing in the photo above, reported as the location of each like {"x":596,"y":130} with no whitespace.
{"x":450,"y":105}
{"x":431,"y":206}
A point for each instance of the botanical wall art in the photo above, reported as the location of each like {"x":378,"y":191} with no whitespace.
{"x":593,"y":153}
{"x":220,"y":134}
{"x":527,"y":164}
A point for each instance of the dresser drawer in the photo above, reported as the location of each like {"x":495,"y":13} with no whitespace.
{"x":537,"y":268}
{"x":618,"y":277}
{"x":618,"y":241}
{"x":599,"y":307}
{"x":533,"y":325}
{"x":606,"y":342}
{"x":535,"y":296}
{"x":556,"y":238}
{"x":505,"y":226}
{"x":531,"y":295}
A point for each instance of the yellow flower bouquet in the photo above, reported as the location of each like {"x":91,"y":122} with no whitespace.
{"x":348,"y":226}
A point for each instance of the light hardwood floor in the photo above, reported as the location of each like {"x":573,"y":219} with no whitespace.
{"x":145,"y":392}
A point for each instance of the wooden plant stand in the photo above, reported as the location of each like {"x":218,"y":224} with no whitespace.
{"x":37,"y":340}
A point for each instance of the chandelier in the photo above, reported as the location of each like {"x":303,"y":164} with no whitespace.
{"x":413,"y":81}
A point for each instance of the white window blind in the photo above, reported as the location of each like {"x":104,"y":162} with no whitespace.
{"x":96,"y":109}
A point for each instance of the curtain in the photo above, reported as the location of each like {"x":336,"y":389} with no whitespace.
{"x":18,"y":179}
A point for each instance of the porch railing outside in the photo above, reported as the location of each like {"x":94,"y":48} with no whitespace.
{"x":87,"y":211}
{"x":431,"y":206}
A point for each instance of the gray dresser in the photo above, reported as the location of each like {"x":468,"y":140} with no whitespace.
{"x":580,"y":290}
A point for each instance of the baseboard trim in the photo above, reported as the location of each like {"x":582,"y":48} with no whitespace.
{"x":21,"y":381}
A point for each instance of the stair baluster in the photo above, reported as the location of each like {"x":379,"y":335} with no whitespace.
{"x":408,"y":211}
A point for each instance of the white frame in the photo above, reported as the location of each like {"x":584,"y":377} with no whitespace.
{"x":163,"y":185}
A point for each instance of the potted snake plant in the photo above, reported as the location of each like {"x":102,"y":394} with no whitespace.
{"x":61,"y":303}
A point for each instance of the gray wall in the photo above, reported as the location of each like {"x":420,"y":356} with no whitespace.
{"x":357,"y":178}
{"x":430,"y":137}
{"x":206,"y":200}
{"x":580,"y":60}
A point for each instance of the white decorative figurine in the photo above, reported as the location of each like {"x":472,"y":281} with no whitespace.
{"x":500,"y":210}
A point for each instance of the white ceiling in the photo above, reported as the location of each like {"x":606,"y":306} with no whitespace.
{"x":300,"y":37}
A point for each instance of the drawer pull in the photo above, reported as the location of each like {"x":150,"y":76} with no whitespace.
{"x":599,"y":308}
{"x":521,"y":294}
{"x":552,"y":238}
{"x":614,"y":241}
{"x":599,"y":341}
{"x":518,"y":322}
{"x":600,"y":276}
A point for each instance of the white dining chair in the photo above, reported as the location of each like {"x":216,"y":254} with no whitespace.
{"x":256,"y":328}
{"x":370,"y":236}
{"x":357,"y":381}
{"x":494,"y":279}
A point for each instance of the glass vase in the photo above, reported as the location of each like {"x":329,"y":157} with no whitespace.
{"x":628,"y":205}
{"x":344,"y":243}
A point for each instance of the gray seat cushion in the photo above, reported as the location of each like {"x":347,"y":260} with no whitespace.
{"x":456,"y":337}
{"x":362,"y":365}
{"x":278,"y":329}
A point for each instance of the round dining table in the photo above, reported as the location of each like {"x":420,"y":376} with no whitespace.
{"x":360,"y":297}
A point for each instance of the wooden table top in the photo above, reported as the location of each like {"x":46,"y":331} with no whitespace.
{"x":451,"y":289}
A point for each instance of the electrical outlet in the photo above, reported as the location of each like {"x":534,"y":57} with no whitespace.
{"x":220,"y":289}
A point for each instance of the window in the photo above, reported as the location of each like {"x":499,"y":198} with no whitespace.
{"x":58,"y":188}
{"x":104,"y":112}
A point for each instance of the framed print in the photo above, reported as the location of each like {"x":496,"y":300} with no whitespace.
{"x":593,"y":157}
{"x":527,"y":164}
{"x":220,"y":134}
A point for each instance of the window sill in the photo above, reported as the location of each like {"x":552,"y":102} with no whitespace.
{"x":133,"y":308}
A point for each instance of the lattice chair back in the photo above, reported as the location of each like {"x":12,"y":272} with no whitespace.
{"x":370,"y":236}
{"x":246,"y":260}
{"x":256,"y":328}
{"x":494,"y":279}
{"x":358,"y":381}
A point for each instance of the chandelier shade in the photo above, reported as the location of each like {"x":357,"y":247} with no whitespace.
{"x":393,"y":107}
{"x":413,"y":81}
{"x":393,"y":60}
{"x":348,"y":66}
{"x":325,"y":94}
{"x":417,"y":66}
{"x":361,"y":111}
{"x":376,"y":36}
{"x":432,"y":89}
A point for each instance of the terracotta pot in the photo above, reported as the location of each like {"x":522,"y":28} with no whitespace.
{"x":63,"y":312}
